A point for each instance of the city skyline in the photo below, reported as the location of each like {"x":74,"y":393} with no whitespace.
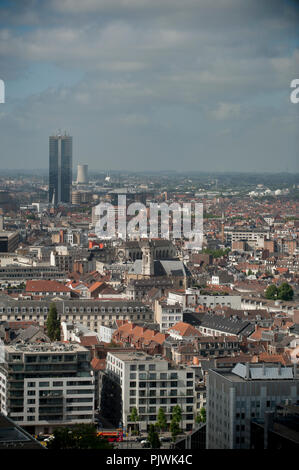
{"x":151,"y":85}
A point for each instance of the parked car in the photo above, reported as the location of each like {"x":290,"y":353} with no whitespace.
{"x":145,"y":444}
{"x":165,"y":439}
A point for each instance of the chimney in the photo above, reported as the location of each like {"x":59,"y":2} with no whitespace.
{"x":263,"y":373}
{"x":247,"y":375}
{"x":279,"y":368}
{"x":6,"y":335}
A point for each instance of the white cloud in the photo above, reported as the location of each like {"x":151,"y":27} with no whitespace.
{"x":171,"y":69}
{"x":226,"y":111}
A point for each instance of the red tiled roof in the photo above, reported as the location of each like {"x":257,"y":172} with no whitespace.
{"x":98,"y":364}
{"x":89,"y":340}
{"x":21,"y":324}
{"x":46,"y":286}
{"x":95,"y":286}
{"x":184,"y":329}
{"x":257,"y":334}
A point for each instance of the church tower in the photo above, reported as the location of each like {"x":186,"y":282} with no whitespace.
{"x":147,"y":259}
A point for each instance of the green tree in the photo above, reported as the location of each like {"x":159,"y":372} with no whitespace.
{"x":153,"y":437}
{"x":285,"y":292}
{"x":81,"y":436}
{"x":177,"y":413}
{"x":53,"y":324}
{"x":161,"y":420}
{"x":271,"y":292}
{"x":174,"y":428}
{"x":134,"y":417}
{"x":201,"y":416}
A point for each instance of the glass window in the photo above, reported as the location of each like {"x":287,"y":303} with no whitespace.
{"x":44,"y":384}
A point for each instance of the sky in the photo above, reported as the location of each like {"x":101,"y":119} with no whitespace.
{"x":194,"y":85}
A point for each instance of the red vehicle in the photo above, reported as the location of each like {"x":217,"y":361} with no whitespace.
{"x":112,"y":436}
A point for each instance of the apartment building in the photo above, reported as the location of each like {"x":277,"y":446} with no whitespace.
{"x":43,"y":386}
{"x":217,"y":325}
{"x":47,"y":288}
{"x":192,"y":297}
{"x":91,"y":313}
{"x":20,"y":273}
{"x":236,"y":396}
{"x":167,"y":315}
{"x":62,"y":258}
{"x":254,"y":237}
{"x":9,"y":241}
{"x":150,"y":382}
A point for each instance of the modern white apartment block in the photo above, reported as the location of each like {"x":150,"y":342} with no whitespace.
{"x":237,"y":395}
{"x":150,"y":382}
{"x":43,"y":386}
{"x":106,"y":332}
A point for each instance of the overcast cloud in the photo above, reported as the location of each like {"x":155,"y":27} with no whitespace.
{"x":151,"y":84}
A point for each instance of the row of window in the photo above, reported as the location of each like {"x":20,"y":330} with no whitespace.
{"x":60,"y":384}
{"x":74,"y":309}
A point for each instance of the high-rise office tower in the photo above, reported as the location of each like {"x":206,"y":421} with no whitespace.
{"x":60,"y":168}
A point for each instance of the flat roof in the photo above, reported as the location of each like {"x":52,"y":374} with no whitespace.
{"x":45,"y":348}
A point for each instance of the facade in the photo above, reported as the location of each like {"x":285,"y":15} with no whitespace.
{"x":132,"y":250}
{"x":47,"y":288}
{"x":8,"y":241}
{"x":192,"y":297}
{"x":20,"y":273}
{"x":237,"y":396}
{"x":91,"y":313}
{"x":167,"y":315}
{"x":253,"y":237}
{"x":60,"y":168}
{"x":44,"y":386}
{"x":106,"y":333}
{"x":62,"y":258}
{"x":150,"y":382}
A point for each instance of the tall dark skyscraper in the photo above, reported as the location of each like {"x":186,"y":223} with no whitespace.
{"x":60,"y":168}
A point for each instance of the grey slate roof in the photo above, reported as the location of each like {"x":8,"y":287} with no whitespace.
{"x":161,"y":268}
{"x":227,"y":325}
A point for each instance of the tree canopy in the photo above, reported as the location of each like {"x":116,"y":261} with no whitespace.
{"x":153,"y":437}
{"x":53,"y":324}
{"x":201,"y":416}
{"x":174,"y":428}
{"x":80,"y":436}
{"x":283,"y":292}
{"x":161,"y":419}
